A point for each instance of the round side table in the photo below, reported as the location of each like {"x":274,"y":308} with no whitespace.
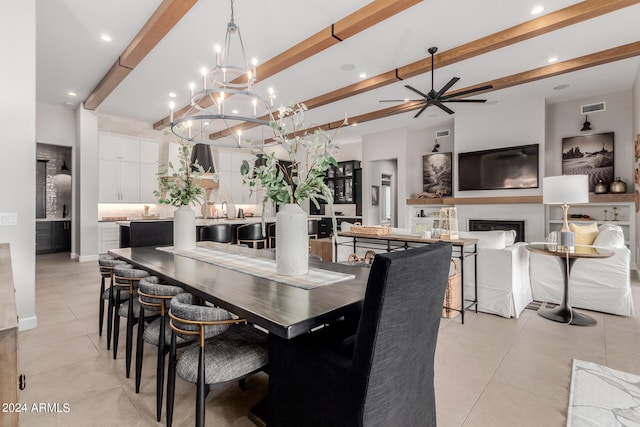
{"x":564,"y":313}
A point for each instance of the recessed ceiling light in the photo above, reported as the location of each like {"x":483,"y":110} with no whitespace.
{"x":560,"y":87}
{"x":354,"y":124}
{"x":234,"y":111}
{"x":537,"y":9}
{"x":69,"y":104}
{"x":347,"y":67}
{"x":71,"y":93}
{"x":553,"y":59}
{"x":105,"y":37}
{"x":406,"y":100}
{"x":363,"y":75}
{"x":172,"y":94}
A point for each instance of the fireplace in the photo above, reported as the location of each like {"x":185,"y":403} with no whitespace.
{"x":499,"y":224}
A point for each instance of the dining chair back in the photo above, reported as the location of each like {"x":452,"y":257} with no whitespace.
{"x":378,"y":370}
{"x":106,"y":263}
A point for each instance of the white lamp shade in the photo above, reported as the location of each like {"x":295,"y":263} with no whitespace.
{"x":571,"y":189}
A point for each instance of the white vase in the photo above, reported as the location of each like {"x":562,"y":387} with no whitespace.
{"x":292,"y":240}
{"x":184,"y":228}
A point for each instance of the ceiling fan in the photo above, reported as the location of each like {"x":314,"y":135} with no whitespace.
{"x":439,"y":97}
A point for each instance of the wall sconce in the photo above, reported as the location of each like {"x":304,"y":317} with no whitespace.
{"x":587,"y":125}
{"x":435,"y":146}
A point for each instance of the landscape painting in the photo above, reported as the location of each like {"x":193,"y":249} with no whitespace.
{"x":437,"y":174}
{"x":590,"y":155}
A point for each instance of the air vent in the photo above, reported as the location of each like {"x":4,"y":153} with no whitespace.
{"x":442,"y":133}
{"x":592,"y":108}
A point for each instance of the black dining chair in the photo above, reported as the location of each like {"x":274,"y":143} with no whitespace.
{"x":375,"y":371}
{"x":106,"y":263}
{"x":220,"y":233}
{"x":251,"y":234}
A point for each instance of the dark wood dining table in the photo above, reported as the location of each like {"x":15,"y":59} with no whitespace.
{"x":280,"y":308}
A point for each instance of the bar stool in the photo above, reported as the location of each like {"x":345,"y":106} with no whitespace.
{"x":251,"y":234}
{"x":106,"y":263}
{"x":220,"y":233}
{"x":154,"y":298}
{"x":126,"y":279}
{"x":225,"y":350}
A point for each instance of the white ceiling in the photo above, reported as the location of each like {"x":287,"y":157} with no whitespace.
{"x":71,"y":56}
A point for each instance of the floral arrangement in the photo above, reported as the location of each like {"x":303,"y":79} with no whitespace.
{"x":181,"y":187}
{"x":310,"y":154}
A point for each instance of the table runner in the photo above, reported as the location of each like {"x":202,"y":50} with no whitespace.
{"x":260,"y":267}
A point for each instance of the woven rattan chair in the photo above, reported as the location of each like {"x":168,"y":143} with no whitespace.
{"x":226,"y":350}
{"x":126,"y":280}
{"x":154,"y":300}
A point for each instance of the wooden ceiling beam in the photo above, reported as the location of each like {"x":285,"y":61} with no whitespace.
{"x":165,"y":17}
{"x":570,"y":15}
{"x":599,"y":58}
{"x":365,"y":17}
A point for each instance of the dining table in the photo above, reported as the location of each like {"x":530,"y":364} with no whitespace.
{"x":286,"y":306}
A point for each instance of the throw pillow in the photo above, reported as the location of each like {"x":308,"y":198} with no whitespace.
{"x":494,"y":239}
{"x":585,"y":234}
{"x":610,"y":237}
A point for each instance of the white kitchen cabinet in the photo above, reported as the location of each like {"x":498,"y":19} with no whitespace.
{"x":127,"y":169}
{"x":231,"y":185}
{"x":108,"y":237}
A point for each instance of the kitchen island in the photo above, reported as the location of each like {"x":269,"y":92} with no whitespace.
{"x":159,"y":232}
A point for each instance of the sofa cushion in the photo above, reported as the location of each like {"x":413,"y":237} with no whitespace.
{"x":509,"y":237}
{"x":584,"y":234}
{"x":610,"y":237}
{"x":494,"y":239}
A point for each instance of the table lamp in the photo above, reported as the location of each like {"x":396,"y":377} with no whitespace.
{"x":562,"y":190}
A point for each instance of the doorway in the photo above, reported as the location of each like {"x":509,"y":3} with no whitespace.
{"x":383,"y":177}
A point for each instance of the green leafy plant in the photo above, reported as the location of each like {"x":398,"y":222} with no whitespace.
{"x":180,"y":186}
{"x":310,"y":153}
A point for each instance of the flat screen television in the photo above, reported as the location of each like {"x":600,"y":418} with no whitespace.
{"x":499,"y":169}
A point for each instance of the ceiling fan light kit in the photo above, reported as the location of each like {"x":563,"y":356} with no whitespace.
{"x":439,"y":98}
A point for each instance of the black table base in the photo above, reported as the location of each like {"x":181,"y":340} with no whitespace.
{"x":568,"y":315}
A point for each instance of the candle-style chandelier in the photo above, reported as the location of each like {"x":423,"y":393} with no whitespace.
{"x":225,"y":100}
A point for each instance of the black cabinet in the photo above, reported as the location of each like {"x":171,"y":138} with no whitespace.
{"x":344,"y":182}
{"x":325,"y":227}
{"x":53,"y":236}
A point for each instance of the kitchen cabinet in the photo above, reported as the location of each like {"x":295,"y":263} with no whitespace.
{"x":231,"y":185}
{"x":325,"y":227}
{"x":345,"y":183}
{"x":53,"y":236}
{"x":108,"y":236}
{"x":128,"y":169}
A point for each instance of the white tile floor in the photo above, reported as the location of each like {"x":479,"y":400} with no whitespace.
{"x":490,"y":371}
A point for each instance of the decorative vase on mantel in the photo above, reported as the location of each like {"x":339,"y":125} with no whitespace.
{"x":292,"y":238}
{"x":184,"y":228}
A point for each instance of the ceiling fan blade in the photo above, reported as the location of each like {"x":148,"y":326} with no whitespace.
{"x":463,"y":100}
{"x":467,"y":92}
{"x":421,"y":110}
{"x":416,"y":91}
{"x":401,"y":100}
{"x":443,"y":107}
{"x":446,"y":87}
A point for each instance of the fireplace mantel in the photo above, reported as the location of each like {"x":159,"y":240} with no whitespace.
{"x":593,"y":198}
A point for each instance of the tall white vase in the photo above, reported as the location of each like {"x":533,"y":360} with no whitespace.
{"x":184,"y":228}
{"x":292,"y":240}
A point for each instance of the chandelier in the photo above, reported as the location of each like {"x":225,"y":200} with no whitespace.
{"x":225,"y":100}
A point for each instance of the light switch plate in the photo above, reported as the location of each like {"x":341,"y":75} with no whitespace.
{"x":8,"y":218}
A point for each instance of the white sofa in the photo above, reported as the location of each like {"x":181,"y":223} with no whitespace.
{"x":594,"y":284}
{"x":503,"y":273}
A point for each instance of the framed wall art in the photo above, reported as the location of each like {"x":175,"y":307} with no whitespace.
{"x":590,"y":155}
{"x":437,"y":174}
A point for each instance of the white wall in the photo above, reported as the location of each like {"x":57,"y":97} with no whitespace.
{"x":18,"y":147}
{"x":636,"y":132}
{"x":85,"y":225}
{"x":55,"y":124}
{"x":419,"y":143}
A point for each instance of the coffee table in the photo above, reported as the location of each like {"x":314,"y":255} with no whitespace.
{"x":564,"y":313}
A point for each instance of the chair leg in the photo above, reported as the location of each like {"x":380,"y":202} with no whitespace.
{"x":160,"y":369}
{"x":116,"y":324}
{"x":101,"y":316}
{"x":201,"y":395}
{"x":171,"y":380}
{"x":129,"y":344}
{"x":139,"y":349}
{"x":110,"y":316}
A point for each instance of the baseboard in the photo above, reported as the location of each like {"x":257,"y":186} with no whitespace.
{"x":26,"y":323}
{"x":88,"y":258}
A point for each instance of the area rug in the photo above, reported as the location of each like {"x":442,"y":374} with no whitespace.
{"x":602,"y":396}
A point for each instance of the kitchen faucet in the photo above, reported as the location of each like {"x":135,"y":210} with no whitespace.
{"x":223,"y":207}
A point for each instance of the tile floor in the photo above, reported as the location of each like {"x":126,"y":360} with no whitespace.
{"x":490,"y":371}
